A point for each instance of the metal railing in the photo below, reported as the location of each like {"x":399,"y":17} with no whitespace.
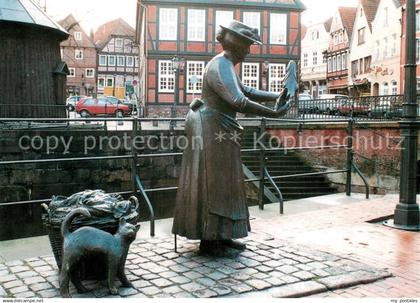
{"x":139,"y":189}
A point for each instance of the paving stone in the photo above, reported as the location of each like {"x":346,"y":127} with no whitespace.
{"x":150,"y":276}
{"x":11,"y":284}
{"x":350,"y":279}
{"x":227,"y":270}
{"x":229,"y":282}
{"x":248,"y":254}
{"x":48,"y":273}
{"x":4,"y":272}
{"x":27,"y":294}
{"x":249,"y":262}
{"x":127,"y":291}
{"x":216,"y":275}
{"x":2,"y":292}
{"x":203,"y":270}
{"x":317,"y":265}
{"x":16,"y":269}
{"x":192,"y":286}
{"x":141,"y":284}
{"x":273,"y":263}
{"x":222,"y":290}
{"x":260,"y":258}
{"x":287,"y":269}
{"x":14,"y":263}
{"x":26,"y":274}
{"x":17,"y":290}
{"x":304,"y":275}
{"x":167,"y":263}
{"x":38,"y":263}
{"x":213,"y":265}
{"x":260,"y":275}
{"x":289,"y":279}
{"x":264,"y":268}
{"x":161,"y":282}
{"x":168,"y":274}
{"x":242,"y":277}
{"x":139,"y":272}
{"x":206,"y":282}
{"x":172,"y":289}
{"x":40,"y":286}
{"x":148,"y":253}
{"x":43,"y":268}
{"x":156,"y":259}
{"x":275,"y":281}
{"x":304,"y":267}
{"x":248,"y":271}
{"x":180,"y":279}
{"x":171,"y":255}
{"x":192,"y":275}
{"x":289,"y":262}
{"x":204,"y":293}
{"x":33,"y":280}
{"x":162,"y":295}
{"x":139,"y":260}
{"x":138,"y":295}
{"x":191,"y":264}
{"x":183,"y":294}
{"x":236,"y":265}
{"x":179,"y":268}
{"x":258,"y":284}
{"x":320,"y":273}
{"x":150,"y":291}
{"x":300,"y":289}
{"x":241,"y":288}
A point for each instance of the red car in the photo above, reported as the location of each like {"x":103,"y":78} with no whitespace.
{"x":101,"y":107}
{"x":347,"y":107}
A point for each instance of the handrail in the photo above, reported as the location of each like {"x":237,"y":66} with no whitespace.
{"x":276,"y":188}
{"x":149,"y":205}
{"x":359,"y":172}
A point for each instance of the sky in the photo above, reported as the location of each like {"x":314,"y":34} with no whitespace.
{"x":92,"y":13}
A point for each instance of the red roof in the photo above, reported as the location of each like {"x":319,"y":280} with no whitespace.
{"x":370,"y":8}
{"x":116,"y":27}
{"x":348,"y":15}
{"x":327,"y":24}
{"x":71,"y":25}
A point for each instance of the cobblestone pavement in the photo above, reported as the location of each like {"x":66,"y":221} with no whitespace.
{"x":276,"y":267}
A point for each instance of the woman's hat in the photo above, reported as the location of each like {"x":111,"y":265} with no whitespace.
{"x":243,"y":31}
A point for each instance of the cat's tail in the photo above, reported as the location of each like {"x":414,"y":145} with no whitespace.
{"x":65,"y":226}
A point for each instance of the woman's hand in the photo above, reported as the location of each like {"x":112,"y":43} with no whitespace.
{"x":282,"y":104}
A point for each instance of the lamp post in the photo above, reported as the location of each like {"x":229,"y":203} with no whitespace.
{"x":407,"y":212}
{"x":177,"y":65}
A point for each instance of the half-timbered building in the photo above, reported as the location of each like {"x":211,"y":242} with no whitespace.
{"x":178,"y":38}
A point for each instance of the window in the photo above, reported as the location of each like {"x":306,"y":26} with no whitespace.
{"x":278,"y":28}
{"x":305,"y":59}
{"x":252,"y":19}
{"x":166,"y":77}
{"x":385,"y":89}
{"x":120,"y":60}
{"x":101,"y":82}
{"x":61,"y":53}
{"x":90,"y":73}
{"x":378,"y":50}
{"x":340,"y":37}
{"x":195,"y":69}
{"x":361,"y":35}
{"x":250,"y":75}
{"x":276,"y":75}
{"x":329,"y":68}
{"x":324,"y":56}
{"x":78,"y":54}
{"x":130,"y":61}
{"x":72,"y":72}
{"x":394,"y":45}
{"x":102,"y":60}
{"x":385,"y":47}
{"x":168,"y":22}
{"x":315,"y":35}
{"x":394,"y":87}
{"x":354,"y":67}
{"x":111,"y":60}
{"x":136,"y":61}
{"x":315,"y":58}
{"x":367,"y":63}
{"x":334,"y":64}
{"x":386,"y":16}
{"x":110,"y":82}
{"x":338,"y":62}
{"x":196,"y":24}
{"x":344,"y":61}
{"x":222,"y":18}
{"x":77,"y":36}
{"x":417,"y":21}
{"x":119,"y":42}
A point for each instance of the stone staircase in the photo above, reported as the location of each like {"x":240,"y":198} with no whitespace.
{"x":281,"y":164}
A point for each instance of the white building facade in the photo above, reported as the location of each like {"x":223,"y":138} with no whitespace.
{"x":386,"y":56}
{"x":313,"y":61}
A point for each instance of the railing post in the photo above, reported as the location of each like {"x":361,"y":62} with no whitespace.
{"x":263,"y":129}
{"x":134,"y":135}
{"x":349,"y":155}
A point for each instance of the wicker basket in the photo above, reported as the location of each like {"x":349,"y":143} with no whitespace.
{"x":110,"y":226}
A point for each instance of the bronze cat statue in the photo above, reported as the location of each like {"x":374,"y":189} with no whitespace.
{"x":88,"y":241}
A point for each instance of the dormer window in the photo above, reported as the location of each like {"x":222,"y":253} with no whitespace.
{"x":77,"y":36}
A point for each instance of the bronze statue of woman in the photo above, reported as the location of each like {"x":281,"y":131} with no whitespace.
{"x":211,"y":203}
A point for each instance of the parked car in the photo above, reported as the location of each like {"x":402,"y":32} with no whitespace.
{"x":71,"y":102}
{"x":131,"y":106}
{"x":349,"y":106}
{"x":328,"y":103}
{"x":101,"y":107}
{"x":305,"y":103}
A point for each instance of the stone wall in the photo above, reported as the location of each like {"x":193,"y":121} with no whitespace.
{"x":376,"y":148}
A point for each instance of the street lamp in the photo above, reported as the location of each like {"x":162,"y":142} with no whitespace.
{"x":407,"y":212}
{"x":177,"y":66}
